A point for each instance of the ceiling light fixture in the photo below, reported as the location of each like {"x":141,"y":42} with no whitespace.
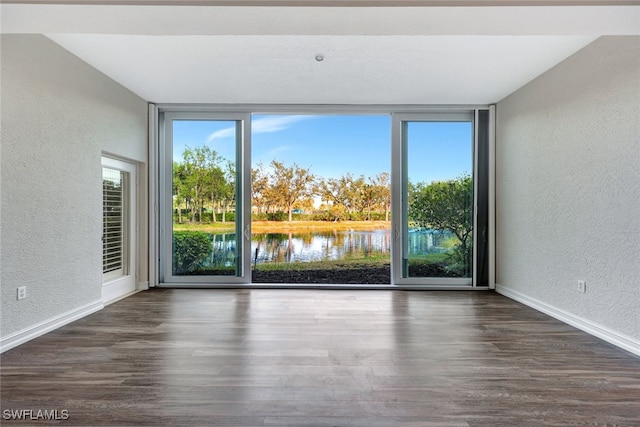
{"x":319,"y":58}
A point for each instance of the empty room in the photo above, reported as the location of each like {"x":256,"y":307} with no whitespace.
{"x":320,"y":213}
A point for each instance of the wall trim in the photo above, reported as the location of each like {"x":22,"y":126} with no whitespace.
{"x":335,"y":3}
{"x":599,"y":331}
{"x":41,"y":328}
{"x":155,"y":138}
{"x":121,"y":297}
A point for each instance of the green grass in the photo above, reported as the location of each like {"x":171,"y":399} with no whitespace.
{"x":261,"y":227}
{"x":432,"y":258}
{"x":346,"y":264}
{"x":212,"y":228}
{"x":342,"y":264}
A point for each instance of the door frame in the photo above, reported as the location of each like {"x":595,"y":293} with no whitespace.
{"x":116,"y":288}
{"x":399,"y":170}
{"x":157,"y":229}
{"x":243,"y":199}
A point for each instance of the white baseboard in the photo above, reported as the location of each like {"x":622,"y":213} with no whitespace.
{"x":143,"y":286}
{"x":613,"y":337}
{"x":48,"y":325}
{"x":118,"y":288}
{"x":121,"y":297}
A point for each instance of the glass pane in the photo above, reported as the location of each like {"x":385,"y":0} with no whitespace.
{"x":438,"y":189}
{"x":321,"y":199}
{"x":204,"y":191}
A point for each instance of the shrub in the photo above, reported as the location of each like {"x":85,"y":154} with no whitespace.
{"x":190,"y":248}
{"x":302,"y":217}
{"x":378,"y":216}
{"x":356,"y":216}
{"x":228,"y":217}
{"x":259,"y":217}
{"x":321,"y":216}
{"x":459,"y":260}
{"x":277,"y":216}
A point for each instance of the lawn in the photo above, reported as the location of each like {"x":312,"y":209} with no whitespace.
{"x":261,"y":227}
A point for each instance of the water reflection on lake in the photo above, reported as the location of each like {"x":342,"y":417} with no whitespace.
{"x":319,"y":246}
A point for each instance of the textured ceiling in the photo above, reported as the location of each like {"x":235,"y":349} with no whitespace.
{"x":400,"y":55}
{"x":355,"y":69}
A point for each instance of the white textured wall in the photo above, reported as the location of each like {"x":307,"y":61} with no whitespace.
{"x":58,"y":115}
{"x":568,"y":186}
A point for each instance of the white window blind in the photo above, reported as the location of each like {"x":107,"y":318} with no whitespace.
{"x":113,"y":222}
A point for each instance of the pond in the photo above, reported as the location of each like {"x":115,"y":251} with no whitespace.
{"x":321,"y":246}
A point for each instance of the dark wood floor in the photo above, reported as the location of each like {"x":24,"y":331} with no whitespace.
{"x":195,"y":357}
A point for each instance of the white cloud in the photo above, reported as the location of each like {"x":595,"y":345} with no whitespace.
{"x":222,"y":133}
{"x":266,"y":124}
{"x":275,"y":123}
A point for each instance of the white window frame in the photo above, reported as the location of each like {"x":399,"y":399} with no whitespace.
{"x":159,"y":225}
{"x":243,"y":220}
{"x":399,"y":207}
{"x":117,"y":285}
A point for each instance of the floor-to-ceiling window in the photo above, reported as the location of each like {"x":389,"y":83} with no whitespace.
{"x":318,"y":195}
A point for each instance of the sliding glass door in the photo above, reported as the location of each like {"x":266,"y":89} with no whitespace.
{"x":433,"y":210}
{"x":206,"y":192}
{"x":434,"y":220}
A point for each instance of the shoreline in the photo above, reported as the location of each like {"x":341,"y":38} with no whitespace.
{"x":264,"y":227}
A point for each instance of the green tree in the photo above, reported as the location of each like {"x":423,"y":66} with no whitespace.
{"x":200,"y":164}
{"x":323,"y":190}
{"x":337,"y":211}
{"x":345,"y":191}
{"x":229,"y":189}
{"x":290,"y":184}
{"x":180,"y":190}
{"x":259,"y":187}
{"x":199,"y":178}
{"x":446,"y":205}
{"x":382,"y":192}
{"x":369,"y":196}
{"x":216,"y":188}
{"x":355,"y":193}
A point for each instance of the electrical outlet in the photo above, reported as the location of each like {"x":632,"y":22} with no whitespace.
{"x":22,"y":292}
{"x":581,"y":286}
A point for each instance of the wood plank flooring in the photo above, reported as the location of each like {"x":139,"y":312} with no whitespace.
{"x":196,"y":357}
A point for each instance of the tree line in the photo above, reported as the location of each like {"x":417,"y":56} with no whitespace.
{"x":288,"y":188}
{"x":204,"y":180}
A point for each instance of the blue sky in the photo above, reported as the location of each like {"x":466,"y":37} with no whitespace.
{"x":335,"y":145}
{"x":439,"y":150}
